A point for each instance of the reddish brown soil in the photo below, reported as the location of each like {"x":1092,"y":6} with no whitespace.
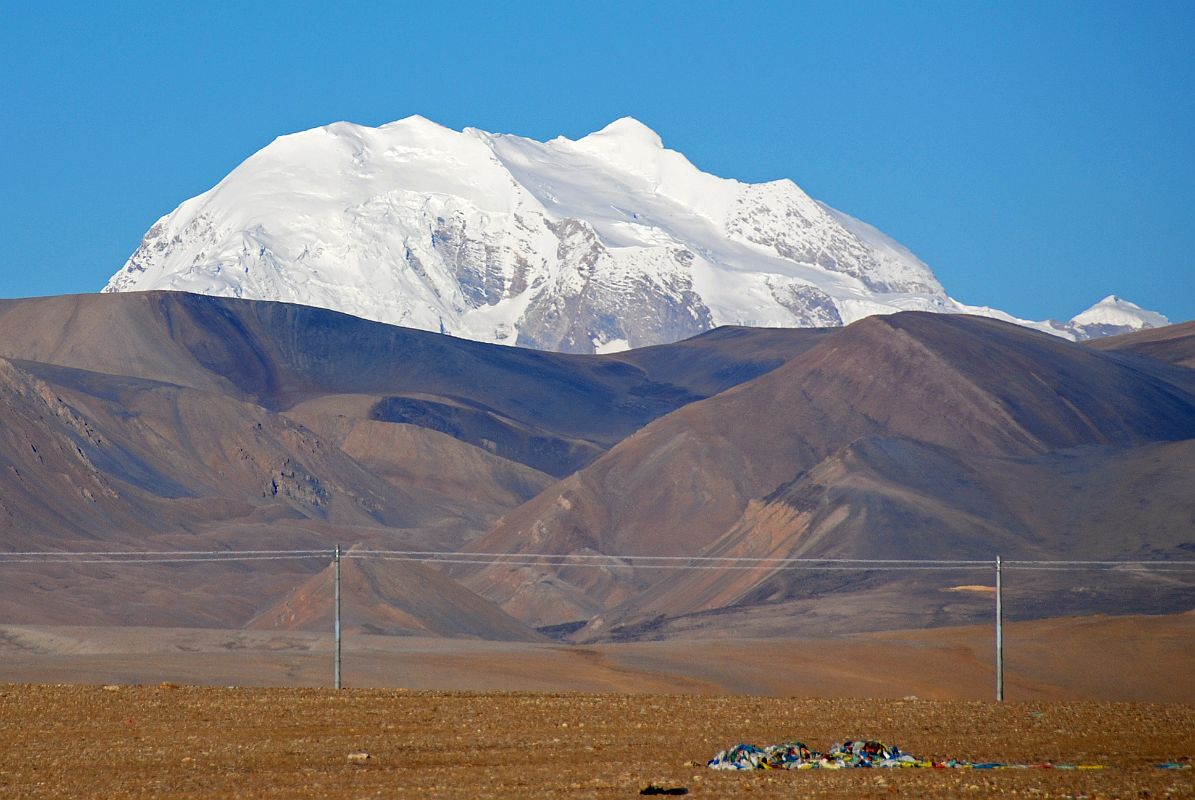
{"x":166,"y":742}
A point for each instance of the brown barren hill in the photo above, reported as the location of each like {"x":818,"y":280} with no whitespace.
{"x":393,"y":597}
{"x":170,"y":421}
{"x":952,"y":387}
{"x":528,"y":405}
{"x":898,"y":499}
{"x":420,"y":458}
{"x":1174,"y":344}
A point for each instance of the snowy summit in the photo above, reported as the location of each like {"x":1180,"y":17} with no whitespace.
{"x":595,"y":245}
{"x":1112,"y":316}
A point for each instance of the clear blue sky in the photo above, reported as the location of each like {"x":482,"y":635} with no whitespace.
{"x":1037,"y":155}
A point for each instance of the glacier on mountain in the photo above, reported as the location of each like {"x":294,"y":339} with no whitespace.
{"x":604,"y":243}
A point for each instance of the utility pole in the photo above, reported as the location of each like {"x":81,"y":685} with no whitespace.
{"x":999,"y":631}
{"x":336,"y":614}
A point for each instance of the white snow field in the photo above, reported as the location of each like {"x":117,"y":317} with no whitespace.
{"x":596,"y":245}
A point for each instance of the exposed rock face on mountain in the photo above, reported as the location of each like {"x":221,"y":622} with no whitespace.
{"x":602,"y":244}
{"x":163,"y":421}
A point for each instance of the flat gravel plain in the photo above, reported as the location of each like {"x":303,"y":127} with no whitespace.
{"x":200,"y":742}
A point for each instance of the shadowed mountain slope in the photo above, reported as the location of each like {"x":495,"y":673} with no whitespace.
{"x":944,"y":385}
{"x":112,"y":458}
{"x":549,"y":411}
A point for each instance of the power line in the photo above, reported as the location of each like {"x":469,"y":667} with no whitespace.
{"x":581,"y":560}
{"x":674,"y":566}
{"x":1097,"y":563}
{"x":319,"y":551}
{"x":125,"y":560}
{"x":635,"y":558}
{"x":1155,"y":567}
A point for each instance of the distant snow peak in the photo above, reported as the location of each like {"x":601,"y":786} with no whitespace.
{"x":1114,"y":310}
{"x":1111,"y":316}
{"x":608,"y":242}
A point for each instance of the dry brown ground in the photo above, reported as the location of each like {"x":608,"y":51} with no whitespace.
{"x":1131,"y":658}
{"x":85,"y":742}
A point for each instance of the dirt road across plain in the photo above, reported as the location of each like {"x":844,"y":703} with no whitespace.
{"x":191,"y":742}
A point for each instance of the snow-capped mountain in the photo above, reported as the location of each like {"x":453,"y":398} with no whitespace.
{"x":1112,"y":316}
{"x":595,"y":245}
